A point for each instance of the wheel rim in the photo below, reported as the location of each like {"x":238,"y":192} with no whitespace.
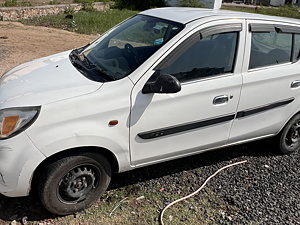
{"x":292,"y":138}
{"x":77,"y":184}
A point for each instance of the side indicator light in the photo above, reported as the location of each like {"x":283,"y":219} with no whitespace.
{"x":113,"y":122}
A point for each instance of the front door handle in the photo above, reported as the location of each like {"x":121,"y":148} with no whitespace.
{"x":220,"y":99}
{"x":295,"y":84}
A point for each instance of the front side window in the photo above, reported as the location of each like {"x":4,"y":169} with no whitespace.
{"x":270,"y":48}
{"x":123,"y":49}
{"x":208,"y":56}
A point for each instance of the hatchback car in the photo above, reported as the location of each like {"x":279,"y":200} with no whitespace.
{"x":164,"y":84}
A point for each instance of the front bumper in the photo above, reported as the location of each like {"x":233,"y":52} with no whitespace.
{"x":18,"y":160}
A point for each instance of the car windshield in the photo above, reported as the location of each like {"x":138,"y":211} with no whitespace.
{"x":124,"y":48}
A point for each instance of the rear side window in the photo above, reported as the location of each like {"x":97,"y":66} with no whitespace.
{"x":272,"y":45}
{"x":270,"y":49}
{"x":297,"y":47}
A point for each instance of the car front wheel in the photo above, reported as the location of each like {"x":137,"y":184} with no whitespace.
{"x":73,"y":183}
{"x":289,"y":139}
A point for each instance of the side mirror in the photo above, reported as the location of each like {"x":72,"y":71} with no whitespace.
{"x":164,"y":83}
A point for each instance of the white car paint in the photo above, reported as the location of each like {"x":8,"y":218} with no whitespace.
{"x":54,"y":78}
{"x":76,"y":111}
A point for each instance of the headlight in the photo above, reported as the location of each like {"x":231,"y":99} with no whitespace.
{"x":15,"y":120}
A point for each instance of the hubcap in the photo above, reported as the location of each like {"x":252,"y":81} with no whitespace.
{"x":293,"y":135}
{"x":77,"y":183}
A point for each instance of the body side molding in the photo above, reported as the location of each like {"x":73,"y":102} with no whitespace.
{"x":260,"y":109}
{"x":185,"y":127}
{"x":211,"y":121}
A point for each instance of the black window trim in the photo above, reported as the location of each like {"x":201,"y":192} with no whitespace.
{"x":288,"y":29}
{"x":295,"y":59}
{"x":278,"y":28}
{"x":197,"y":36}
{"x":173,"y":56}
{"x":217,"y":29}
{"x":261,"y":28}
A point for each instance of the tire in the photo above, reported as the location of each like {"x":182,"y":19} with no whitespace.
{"x":289,"y":138}
{"x":74,"y":183}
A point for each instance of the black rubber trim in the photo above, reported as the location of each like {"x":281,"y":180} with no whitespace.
{"x":174,"y":55}
{"x":274,"y":105}
{"x":185,"y":127}
{"x":288,"y":29}
{"x":257,"y":27}
{"x":254,"y":27}
{"x":218,"y":29}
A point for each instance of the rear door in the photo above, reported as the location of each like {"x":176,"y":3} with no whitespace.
{"x":271,"y":80}
{"x":207,"y":64}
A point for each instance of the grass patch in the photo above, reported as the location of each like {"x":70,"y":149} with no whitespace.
{"x":191,"y":3}
{"x":283,"y":11}
{"x":83,"y":22}
{"x":140,"y":205}
{"x":93,"y":22}
{"x":15,"y":3}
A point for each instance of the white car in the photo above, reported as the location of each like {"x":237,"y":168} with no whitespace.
{"x":164,"y":84}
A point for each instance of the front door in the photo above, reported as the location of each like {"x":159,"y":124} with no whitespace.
{"x":199,"y":117}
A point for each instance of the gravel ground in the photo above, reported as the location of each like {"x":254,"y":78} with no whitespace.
{"x":265,"y":190}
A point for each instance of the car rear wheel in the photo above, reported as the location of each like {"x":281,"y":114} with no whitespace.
{"x":289,"y":139}
{"x":73,"y":183}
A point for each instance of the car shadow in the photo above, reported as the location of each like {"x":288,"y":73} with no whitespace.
{"x":259,"y":148}
{"x":30,"y":207}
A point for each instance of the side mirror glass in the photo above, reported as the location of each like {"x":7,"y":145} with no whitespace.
{"x":164,"y":83}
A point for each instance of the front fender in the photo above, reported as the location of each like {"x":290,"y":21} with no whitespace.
{"x":74,"y":142}
{"x":85,"y":121}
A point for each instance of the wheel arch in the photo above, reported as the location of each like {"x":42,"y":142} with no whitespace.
{"x":112,"y":159}
{"x":286,"y":122}
{"x":288,"y":137}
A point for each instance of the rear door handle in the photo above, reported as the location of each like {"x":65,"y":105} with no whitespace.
{"x":220,"y":99}
{"x":295,"y":84}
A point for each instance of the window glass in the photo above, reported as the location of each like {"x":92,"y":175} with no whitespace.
{"x":124,"y":48}
{"x":296,"y":47}
{"x":141,"y":34}
{"x":209,"y":56}
{"x":270,"y":49}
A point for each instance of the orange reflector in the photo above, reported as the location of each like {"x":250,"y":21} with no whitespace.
{"x":8,"y":124}
{"x":113,"y":122}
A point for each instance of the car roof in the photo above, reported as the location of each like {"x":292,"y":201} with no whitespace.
{"x":185,"y":15}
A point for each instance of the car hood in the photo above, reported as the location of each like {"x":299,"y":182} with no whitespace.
{"x":43,"y":81}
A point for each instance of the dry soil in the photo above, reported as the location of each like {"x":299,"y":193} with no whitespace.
{"x":20,"y":43}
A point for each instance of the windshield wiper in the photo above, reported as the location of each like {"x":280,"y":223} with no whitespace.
{"x":87,"y":60}
{"x":82,"y":58}
{"x":103,"y":73}
{"x":84,"y":63}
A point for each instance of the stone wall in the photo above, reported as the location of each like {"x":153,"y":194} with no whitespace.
{"x":17,"y":13}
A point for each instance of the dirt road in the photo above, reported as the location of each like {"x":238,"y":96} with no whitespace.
{"x":19,"y":43}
